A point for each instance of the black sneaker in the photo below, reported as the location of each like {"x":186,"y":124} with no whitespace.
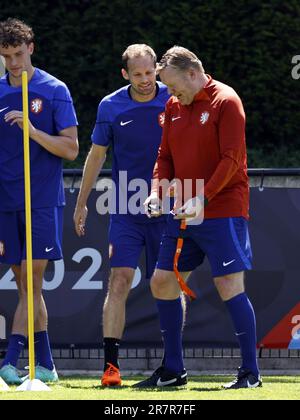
{"x":244,"y":379}
{"x":162,"y":377}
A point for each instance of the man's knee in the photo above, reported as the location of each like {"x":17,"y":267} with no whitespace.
{"x":38,"y":270}
{"x":159,"y":280}
{"x":36,"y":283}
{"x":120,"y":282}
{"x":230,"y":285}
{"x":164,"y":284}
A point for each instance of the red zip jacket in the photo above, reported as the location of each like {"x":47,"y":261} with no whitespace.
{"x":206,"y":140}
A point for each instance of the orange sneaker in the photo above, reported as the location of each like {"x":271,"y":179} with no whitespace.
{"x":111,"y":377}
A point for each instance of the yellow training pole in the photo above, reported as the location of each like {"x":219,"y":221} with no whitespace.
{"x":28,"y":226}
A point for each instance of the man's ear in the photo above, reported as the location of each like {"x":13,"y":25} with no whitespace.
{"x":192,"y":74}
{"x":31,"y":48}
{"x":125,"y":74}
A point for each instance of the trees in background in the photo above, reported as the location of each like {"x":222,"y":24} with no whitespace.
{"x":246,"y":44}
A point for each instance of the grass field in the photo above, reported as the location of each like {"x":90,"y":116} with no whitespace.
{"x":204,"y":388}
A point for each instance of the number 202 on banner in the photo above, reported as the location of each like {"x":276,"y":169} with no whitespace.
{"x":85,"y":282}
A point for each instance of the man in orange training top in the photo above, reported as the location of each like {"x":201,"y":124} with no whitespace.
{"x":203,"y":139}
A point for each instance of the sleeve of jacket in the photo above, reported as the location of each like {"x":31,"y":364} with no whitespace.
{"x":232,"y":145}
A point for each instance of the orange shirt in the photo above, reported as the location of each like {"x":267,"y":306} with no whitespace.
{"x":206,"y":140}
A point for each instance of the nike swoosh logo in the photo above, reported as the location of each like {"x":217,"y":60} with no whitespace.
{"x":175,"y":118}
{"x":227,"y":263}
{"x":164,"y":383}
{"x":255,"y":385}
{"x":125,"y":123}
{"x":48,"y":249}
{"x":238,"y":334}
{"x":3,"y":109}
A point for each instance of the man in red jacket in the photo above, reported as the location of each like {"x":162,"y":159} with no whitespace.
{"x":203,"y":139}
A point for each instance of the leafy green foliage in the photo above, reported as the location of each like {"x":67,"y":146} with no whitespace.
{"x":246,"y":44}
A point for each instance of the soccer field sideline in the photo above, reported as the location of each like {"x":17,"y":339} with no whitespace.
{"x":198,"y":389}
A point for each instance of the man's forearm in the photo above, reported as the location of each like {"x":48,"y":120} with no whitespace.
{"x":220,"y":178}
{"x":163,"y":173}
{"x":92,"y":168}
{"x":62,"y":146}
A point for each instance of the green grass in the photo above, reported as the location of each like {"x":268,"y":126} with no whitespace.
{"x":198,"y":388}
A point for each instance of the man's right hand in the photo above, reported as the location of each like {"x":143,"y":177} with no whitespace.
{"x":79,"y":218}
{"x":153,"y":206}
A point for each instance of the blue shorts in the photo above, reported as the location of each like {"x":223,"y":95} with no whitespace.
{"x":225,"y":242}
{"x":47,"y":230}
{"x":127,"y":239}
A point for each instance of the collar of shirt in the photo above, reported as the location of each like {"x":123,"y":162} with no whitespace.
{"x":202,"y":95}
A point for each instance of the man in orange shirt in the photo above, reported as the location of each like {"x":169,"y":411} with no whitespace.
{"x":203,"y":139}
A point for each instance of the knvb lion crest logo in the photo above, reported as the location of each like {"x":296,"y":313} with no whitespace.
{"x":36,"y":106}
{"x":161,"y":119}
{"x":2,"y":249}
{"x":204,"y":117}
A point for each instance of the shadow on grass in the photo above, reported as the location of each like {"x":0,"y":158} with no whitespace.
{"x":202,"y":389}
{"x":161,"y":389}
{"x":202,"y":381}
{"x":217,"y":380}
{"x":176,"y":389}
{"x":125,"y":387}
{"x":95,"y":387}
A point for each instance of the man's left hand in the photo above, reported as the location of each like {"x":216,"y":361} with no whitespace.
{"x":191,"y":210}
{"x":16,"y":117}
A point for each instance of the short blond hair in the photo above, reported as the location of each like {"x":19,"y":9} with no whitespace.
{"x":179,"y":58}
{"x":137,"y":50}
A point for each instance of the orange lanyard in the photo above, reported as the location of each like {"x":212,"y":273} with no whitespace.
{"x":180,"y":280}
